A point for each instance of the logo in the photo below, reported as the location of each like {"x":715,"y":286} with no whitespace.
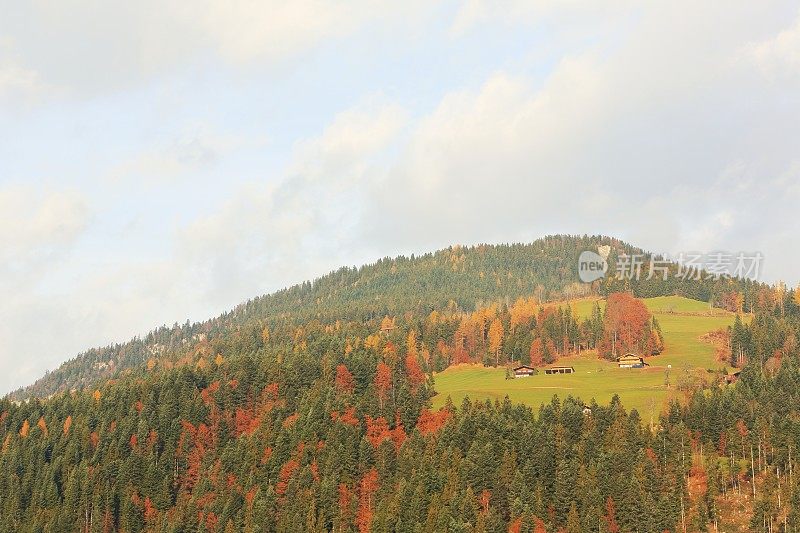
{"x":593,"y":265}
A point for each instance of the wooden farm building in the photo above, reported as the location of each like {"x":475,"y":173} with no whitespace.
{"x":732,"y":378}
{"x":523,"y":371}
{"x":631,"y":361}
{"x":559,"y":370}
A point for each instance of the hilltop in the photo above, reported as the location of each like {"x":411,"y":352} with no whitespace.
{"x":458,"y":278}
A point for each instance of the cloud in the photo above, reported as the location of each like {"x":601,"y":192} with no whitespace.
{"x":37,"y":227}
{"x":349,"y":141}
{"x":88,"y":48}
{"x":779,"y":56}
{"x":474,"y":13}
{"x":197,"y":148}
{"x":646,"y":139}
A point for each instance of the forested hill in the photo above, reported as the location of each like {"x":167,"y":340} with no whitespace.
{"x":454,"y":279}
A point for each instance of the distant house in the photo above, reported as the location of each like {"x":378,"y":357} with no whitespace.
{"x":587,"y":411}
{"x":559,"y":370}
{"x":732,"y":378}
{"x":631,"y":361}
{"x":523,"y":371}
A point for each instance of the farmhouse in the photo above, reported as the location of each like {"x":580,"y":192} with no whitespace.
{"x":524,"y":371}
{"x":559,"y":370}
{"x":631,"y":361}
{"x":732,"y":378}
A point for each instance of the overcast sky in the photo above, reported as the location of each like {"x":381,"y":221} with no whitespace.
{"x":164,"y":160}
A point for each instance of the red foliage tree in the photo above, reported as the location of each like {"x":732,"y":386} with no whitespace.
{"x":399,"y":432}
{"x":536,"y":352}
{"x":430,"y":422}
{"x":347,"y":417}
{"x":611,"y":516}
{"x":287,"y":471}
{"x":344,"y":380}
{"x":149,"y":510}
{"x":416,"y":376}
{"x":377,"y":430}
{"x":486,"y":496}
{"x":626,"y":326}
{"x":366,"y":490}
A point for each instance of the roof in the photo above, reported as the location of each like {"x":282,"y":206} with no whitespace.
{"x":557,"y":367}
{"x":521,"y":367}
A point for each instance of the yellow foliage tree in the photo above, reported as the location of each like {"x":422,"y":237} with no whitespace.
{"x":218,"y":360}
{"x":496,"y":339}
{"x":373,"y":342}
{"x":411,"y":343}
{"x":25,"y":429}
{"x":67,"y":424}
{"x":522,"y":311}
{"x":96,"y":395}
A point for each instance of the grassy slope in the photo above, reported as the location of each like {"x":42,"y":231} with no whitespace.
{"x":682,"y":322}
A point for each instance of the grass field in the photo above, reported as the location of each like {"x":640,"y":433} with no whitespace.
{"x":682,"y":321}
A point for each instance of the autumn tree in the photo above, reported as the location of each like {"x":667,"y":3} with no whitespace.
{"x":344,"y":380}
{"x":383,"y":382}
{"x":496,"y":339}
{"x":366,"y":493}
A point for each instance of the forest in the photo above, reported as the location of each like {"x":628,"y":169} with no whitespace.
{"x":316,"y":415}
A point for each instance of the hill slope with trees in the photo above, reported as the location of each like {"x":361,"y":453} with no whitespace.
{"x":453,"y":280}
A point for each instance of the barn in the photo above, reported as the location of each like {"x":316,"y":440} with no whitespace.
{"x":559,"y":370}
{"x":523,"y":371}
{"x":630,"y":360}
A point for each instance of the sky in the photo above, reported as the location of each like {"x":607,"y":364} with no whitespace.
{"x":165,"y":160}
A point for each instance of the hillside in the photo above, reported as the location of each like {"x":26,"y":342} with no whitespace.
{"x":453,"y":279}
{"x":247,"y":423}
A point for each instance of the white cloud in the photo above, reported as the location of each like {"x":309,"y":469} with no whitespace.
{"x":474,"y":13}
{"x":199,"y":147}
{"x":87,"y":48}
{"x":349,"y":141}
{"x":36,"y":228}
{"x":779,"y":57}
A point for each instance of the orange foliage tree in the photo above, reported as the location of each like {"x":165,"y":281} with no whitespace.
{"x":344,"y":380}
{"x":366,"y":492}
{"x":626,"y":326}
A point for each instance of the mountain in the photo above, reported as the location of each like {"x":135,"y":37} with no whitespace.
{"x":311,"y":410}
{"x":455,"y":278}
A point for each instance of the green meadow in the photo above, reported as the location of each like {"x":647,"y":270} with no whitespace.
{"x":683,"y":322}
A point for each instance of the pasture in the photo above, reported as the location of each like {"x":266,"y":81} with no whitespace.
{"x":683,"y":322}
